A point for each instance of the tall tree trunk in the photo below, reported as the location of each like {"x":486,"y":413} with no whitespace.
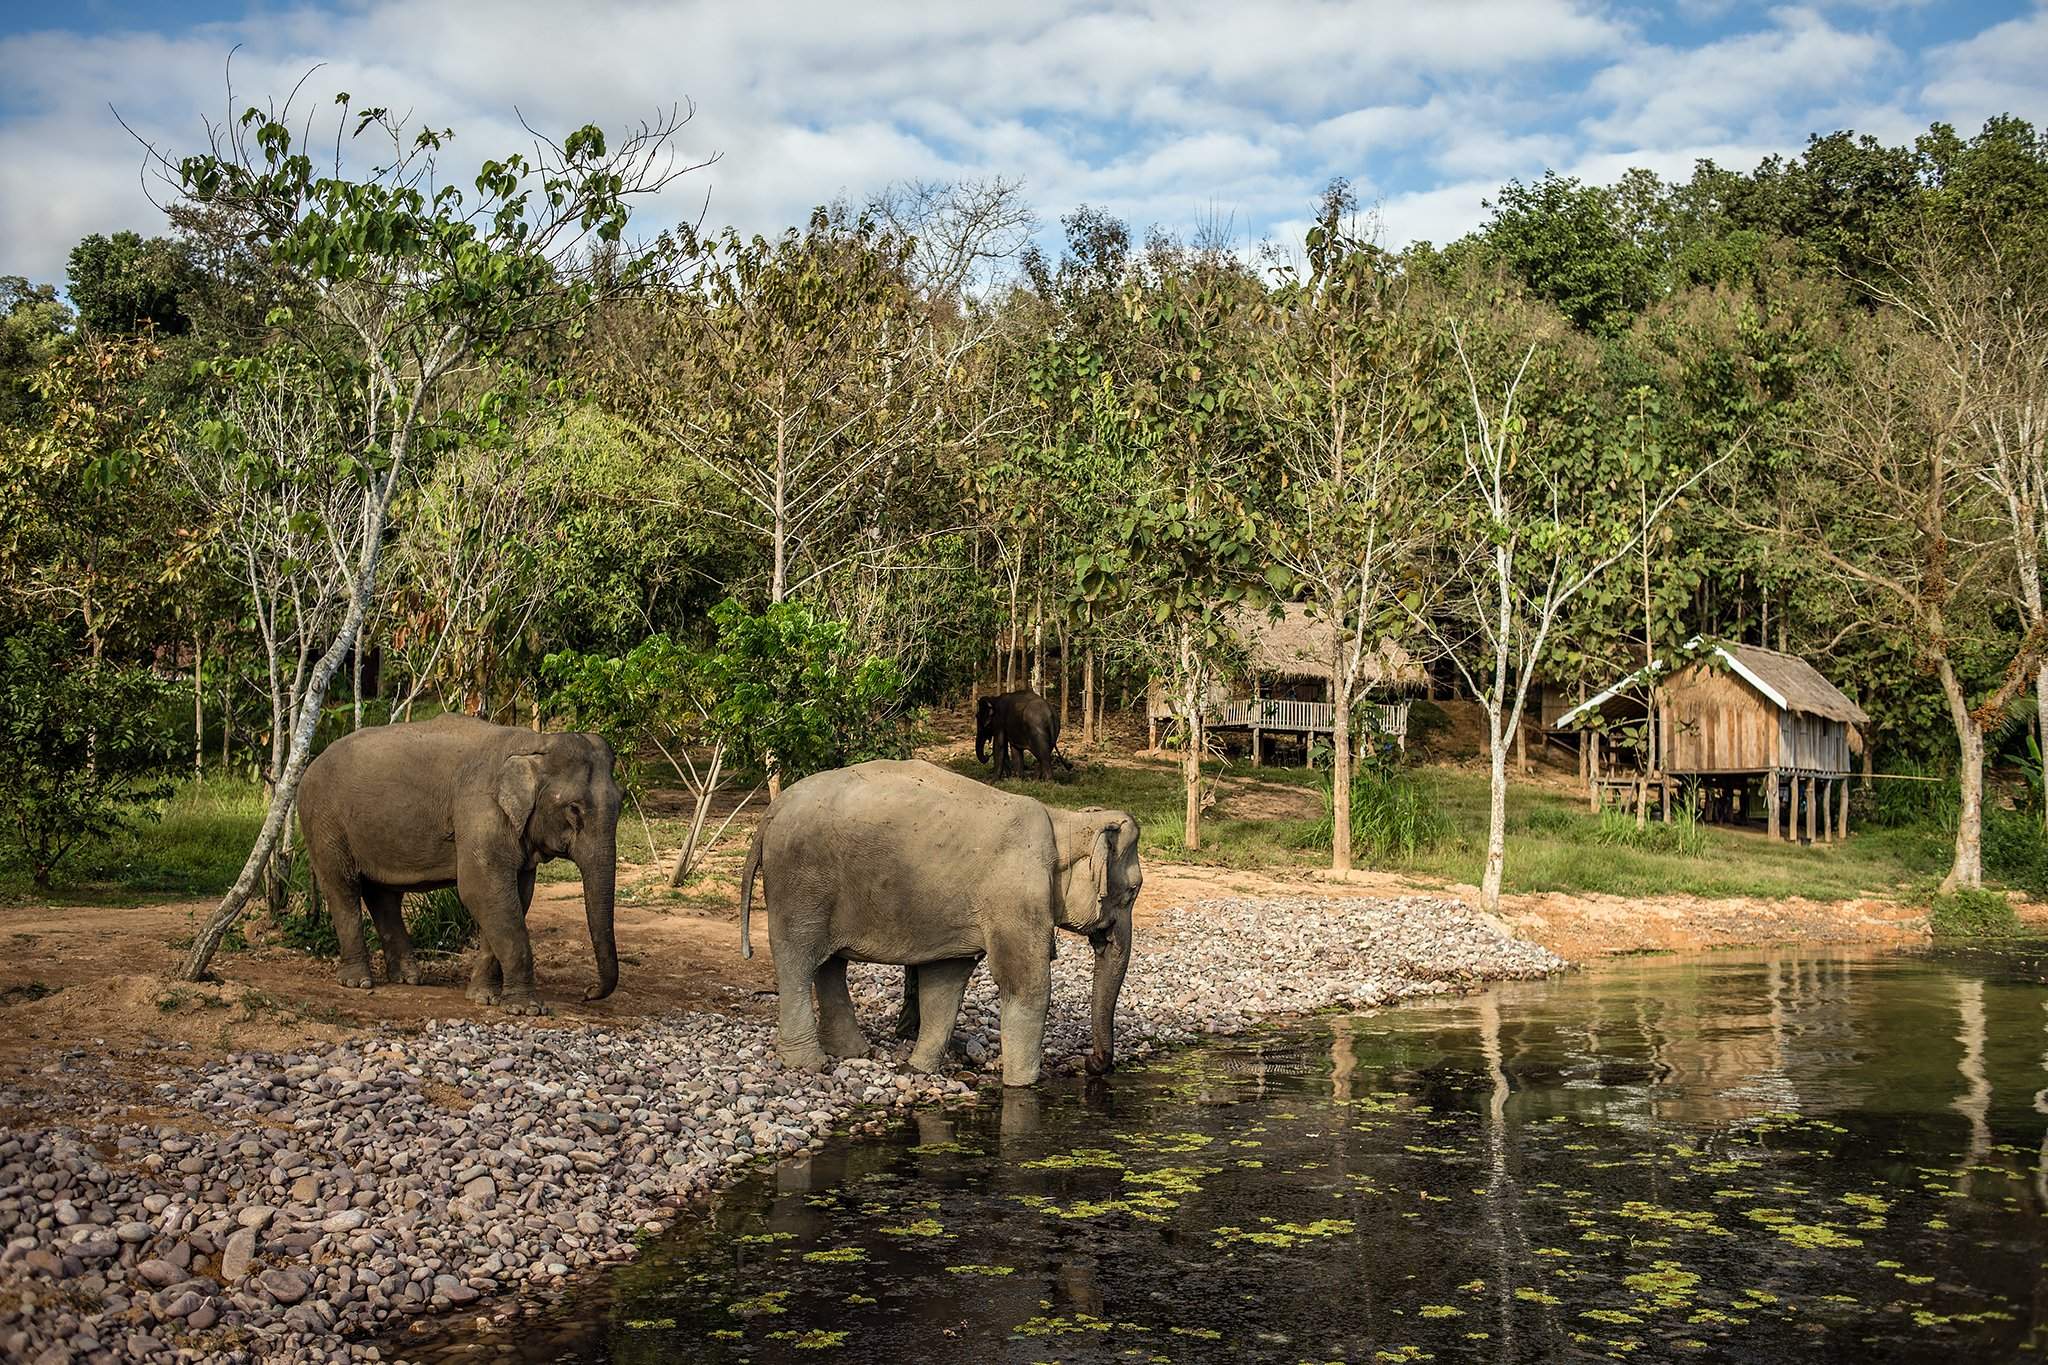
{"x":356,"y":683}
{"x":1496,"y":812}
{"x":2040,"y":734}
{"x":1340,"y":777}
{"x":1088,"y":697}
{"x":1968,"y":868}
{"x":1191,"y":757}
{"x":198,"y":706}
{"x":1038,"y":640}
{"x":1066,"y":680}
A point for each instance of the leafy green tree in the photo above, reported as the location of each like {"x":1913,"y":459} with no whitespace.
{"x":1571,"y":243}
{"x":1341,"y":385}
{"x":34,"y":326}
{"x":659,"y":693}
{"x":792,"y":697}
{"x":83,"y":744}
{"x":125,"y":283}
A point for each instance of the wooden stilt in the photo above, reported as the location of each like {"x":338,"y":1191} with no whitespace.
{"x":1593,"y":772}
{"x":1842,"y":809}
{"x":1811,"y":784}
{"x":1771,"y":803}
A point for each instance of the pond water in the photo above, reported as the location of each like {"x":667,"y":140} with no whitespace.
{"x":1809,"y":1156}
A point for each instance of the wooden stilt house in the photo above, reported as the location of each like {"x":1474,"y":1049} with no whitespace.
{"x":1723,"y":723}
{"x":1285,"y":689}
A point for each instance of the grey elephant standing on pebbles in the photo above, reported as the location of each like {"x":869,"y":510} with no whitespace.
{"x":456,"y":801}
{"x":913,"y":864}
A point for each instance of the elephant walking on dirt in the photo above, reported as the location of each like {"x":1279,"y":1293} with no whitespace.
{"x":1020,"y":720}
{"x":456,"y":801}
{"x":909,"y":863}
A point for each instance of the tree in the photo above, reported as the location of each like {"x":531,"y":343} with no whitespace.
{"x":409,"y":282}
{"x":792,"y":696}
{"x":125,"y":283}
{"x":1919,"y":497}
{"x":1340,"y":385}
{"x":660,"y":693}
{"x":961,"y":232}
{"x":1187,"y":549}
{"x":1519,"y":537}
{"x":82,"y":742}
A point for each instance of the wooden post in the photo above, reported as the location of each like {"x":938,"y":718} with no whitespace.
{"x":1258,"y":687}
{"x":1842,"y":812}
{"x":1812,"y":785}
{"x":1593,"y":772}
{"x":1771,"y":803}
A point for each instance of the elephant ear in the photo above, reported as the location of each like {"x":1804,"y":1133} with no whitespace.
{"x":1103,"y":856}
{"x":518,"y":785}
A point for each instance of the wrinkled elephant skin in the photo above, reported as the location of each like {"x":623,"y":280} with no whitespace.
{"x":456,"y":801}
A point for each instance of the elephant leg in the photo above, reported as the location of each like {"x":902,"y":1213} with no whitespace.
{"x":1045,"y":761}
{"x":906,"y":1017}
{"x":343,"y":893}
{"x":940,"y":988}
{"x":797,"y":1022}
{"x":497,"y":901}
{"x":387,"y":911}
{"x":487,"y":979}
{"x":838,"y":1028}
{"x":1022,"y":969}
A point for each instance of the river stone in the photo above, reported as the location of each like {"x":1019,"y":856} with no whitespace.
{"x":158,"y":1273}
{"x":305,"y":1189}
{"x":237,"y":1255}
{"x":256,"y":1216}
{"x":348,"y":1220}
{"x":181,"y":1306}
{"x":285,"y":1286}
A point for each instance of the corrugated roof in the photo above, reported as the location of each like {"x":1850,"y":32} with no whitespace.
{"x":1786,"y":681}
{"x":1300,"y":645}
{"x":1792,"y":683}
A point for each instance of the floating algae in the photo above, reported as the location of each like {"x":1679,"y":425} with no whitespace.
{"x":1723,"y":1159}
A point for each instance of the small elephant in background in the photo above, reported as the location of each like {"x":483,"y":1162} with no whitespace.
{"x":913,"y":864}
{"x":457,"y":801}
{"x":1022,"y":720}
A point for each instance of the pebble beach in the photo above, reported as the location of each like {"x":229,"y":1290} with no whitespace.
{"x":298,"y":1206}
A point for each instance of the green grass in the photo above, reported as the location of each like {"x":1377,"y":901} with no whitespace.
{"x":1970,"y":913}
{"x":195,"y":847}
{"x":1554,"y":843}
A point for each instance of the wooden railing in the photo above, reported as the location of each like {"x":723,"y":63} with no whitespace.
{"x":1387,"y":718}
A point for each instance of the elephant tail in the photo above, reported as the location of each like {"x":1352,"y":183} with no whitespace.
{"x":747,"y":885}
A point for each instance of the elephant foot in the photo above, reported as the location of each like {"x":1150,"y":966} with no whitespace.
{"x":356,"y":978}
{"x":405,"y":972}
{"x":525,"y":1005}
{"x":847,"y":1042}
{"x":482,"y":995}
{"x":1025,"y":1073}
{"x":803,"y":1057}
{"x":1100,"y":1063}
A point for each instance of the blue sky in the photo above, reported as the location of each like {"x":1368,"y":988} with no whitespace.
{"x":1172,"y":112}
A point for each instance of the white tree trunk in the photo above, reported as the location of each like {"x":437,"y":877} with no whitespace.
{"x":1340,"y":779}
{"x":1496,"y":813}
{"x":1968,"y":868}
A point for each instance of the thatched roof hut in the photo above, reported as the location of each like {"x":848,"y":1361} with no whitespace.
{"x":1301,"y":645}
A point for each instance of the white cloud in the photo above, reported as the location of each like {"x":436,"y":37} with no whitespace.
{"x":1160,"y":110}
{"x":1999,"y":71}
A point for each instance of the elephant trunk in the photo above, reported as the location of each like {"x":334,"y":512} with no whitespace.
{"x":981,"y":743}
{"x":1112,"y":960}
{"x":599,"y":865}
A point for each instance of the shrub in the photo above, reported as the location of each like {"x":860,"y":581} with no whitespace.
{"x":1682,"y":835}
{"x":82,"y":745}
{"x":1395,"y":814}
{"x":440,"y":922}
{"x":1972,"y":913}
{"x":1905,"y":804}
{"x":1426,"y":720}
{"x":2014,"y":850}
{"x":1548,"y":819}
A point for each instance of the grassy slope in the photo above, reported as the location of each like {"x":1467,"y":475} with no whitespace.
{"x":197,"y":847}
{"x":1553,"y":843}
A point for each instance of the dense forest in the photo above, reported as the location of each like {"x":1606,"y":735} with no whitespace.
{"x":347,"y":445}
